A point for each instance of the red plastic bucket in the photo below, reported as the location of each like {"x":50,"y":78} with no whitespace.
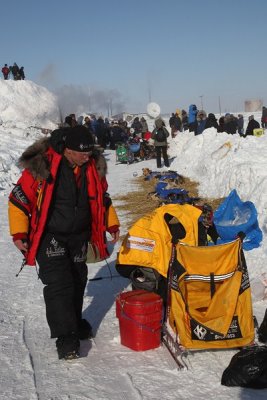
{"x":140,"y":319}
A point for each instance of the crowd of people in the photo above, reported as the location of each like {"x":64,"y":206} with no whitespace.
{"x":13,"y":70}
{"x":197,"y":121}
{"x":110,"y":133}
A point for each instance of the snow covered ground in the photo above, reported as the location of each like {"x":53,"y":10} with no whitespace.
{"x":29,"y":367}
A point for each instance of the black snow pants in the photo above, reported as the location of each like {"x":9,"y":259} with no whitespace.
{"x":63,"y":271}
{"x":162,"y":149}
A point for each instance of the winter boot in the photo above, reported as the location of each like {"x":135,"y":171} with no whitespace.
{"x":68,"y":346}
{"x":262,"y":331}
{"x":85,"y":330}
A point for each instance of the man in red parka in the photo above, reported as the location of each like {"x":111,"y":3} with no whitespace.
{"x":57,"y":206}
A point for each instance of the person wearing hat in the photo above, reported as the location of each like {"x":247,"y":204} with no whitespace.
{"x":58,"y":205}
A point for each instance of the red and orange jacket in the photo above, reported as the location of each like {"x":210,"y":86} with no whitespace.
{"x":31,"y":197}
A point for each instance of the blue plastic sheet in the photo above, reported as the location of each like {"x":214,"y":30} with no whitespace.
{"x":234,"y":216}
{"x":174,"y":195}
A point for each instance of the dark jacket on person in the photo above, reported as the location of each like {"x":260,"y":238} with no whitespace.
{"x":137,"y":126}
{"x":101,"y":132}
{"x":21,"y":73}
{"x":221,"y":124}
{"x":230,"y":124}
{"x":264,"y":117}
{"x":240,"y":124}
{"x":211,"y":122}
{"x":144,"y":125}
{"x":160,"y":126}
{"x":15,"y":71}
{"x":117,"y":135}
{"x":252,"y":124}
{"x":184,"y":120}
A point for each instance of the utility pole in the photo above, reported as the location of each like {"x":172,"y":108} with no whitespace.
{"x":220,"y":110}
{"x":201,"y":97}
{"x":110,"y":106}
{"x":89,"y":101}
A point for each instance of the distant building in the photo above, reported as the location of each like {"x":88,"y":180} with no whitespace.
{"x":253,"y":105}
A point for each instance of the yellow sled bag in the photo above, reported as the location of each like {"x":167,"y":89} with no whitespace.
{"x":211,"y":298}
{"x":258,"y":132}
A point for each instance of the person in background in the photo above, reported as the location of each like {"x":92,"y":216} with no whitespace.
{"x":211,"y":122}
{"x":80,"y":120}
{"x":230,"y":124}
{"x":15,"y":72}
{"x":175,"y":123}
{"x":58,"y":205}
{"x":252,"y":124}
{"x":185,"y":126}
{"x":117,"y":134}
{"x":144,"y":126}
{"x":221,"y":124}
{"x":137,"y":126}
{"x":69,"y":122}
{"x":74,"y":120}
{"x":93,"y":122}
{"x":200,"y":123}
{"x":101,"y":132}
{"x":5,"y":71}
{"x":240,"y":124}
{"x":107,"y":125}
{"x":21,"y":73}
{"x":192,"y":117}
{"x":160,"y":135}
{"x":264,"y":117}
{"x":87,"y":124}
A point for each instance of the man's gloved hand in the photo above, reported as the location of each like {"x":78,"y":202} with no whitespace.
{"x":21,"y":242}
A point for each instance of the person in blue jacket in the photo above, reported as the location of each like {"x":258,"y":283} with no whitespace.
{"x":192,"y":116}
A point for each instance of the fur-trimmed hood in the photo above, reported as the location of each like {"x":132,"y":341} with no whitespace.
{"x":34,"y":159}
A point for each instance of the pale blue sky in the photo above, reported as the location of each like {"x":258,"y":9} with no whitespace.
{"x":171,"y":52}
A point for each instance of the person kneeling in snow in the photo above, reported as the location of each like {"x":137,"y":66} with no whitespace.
{"x":58,"y":205}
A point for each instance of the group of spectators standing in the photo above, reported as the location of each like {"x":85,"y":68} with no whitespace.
{"x":197,"y":121}
{"x":14,"y":70}
{"x":109,"y":133}
{"x":99,"y":127}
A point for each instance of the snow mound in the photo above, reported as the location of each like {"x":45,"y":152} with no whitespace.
{"x":24,"y":101}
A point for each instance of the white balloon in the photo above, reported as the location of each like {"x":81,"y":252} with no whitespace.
{"x":153,"y":110}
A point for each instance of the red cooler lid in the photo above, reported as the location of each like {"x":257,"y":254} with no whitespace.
{"x":139,"y":297}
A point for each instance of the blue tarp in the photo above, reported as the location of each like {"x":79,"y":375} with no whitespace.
{"x":162,"y":176}
{"x":173,"y":195}
{"x":234,"y":216}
